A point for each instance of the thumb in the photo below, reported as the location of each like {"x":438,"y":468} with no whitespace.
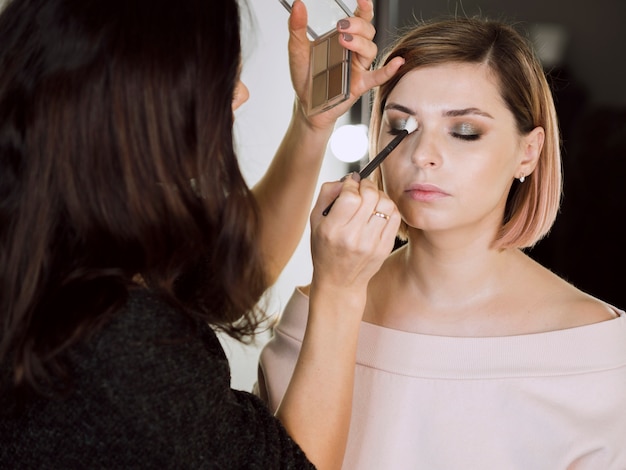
{"x":298,"y":21}
{"x":298,"y":47}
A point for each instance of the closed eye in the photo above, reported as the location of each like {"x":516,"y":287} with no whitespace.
{"x":394,"y":131}
{"x":466,"y":131}
{"x":399,"y":125}
{"x":469,"y":137}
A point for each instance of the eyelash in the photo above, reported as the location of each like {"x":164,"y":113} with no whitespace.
{"x":394,"y":131}
{"x":397,"y":126}
{"x":470,"y":133}
{"x":467,"y":137}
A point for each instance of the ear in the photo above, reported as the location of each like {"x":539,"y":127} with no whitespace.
{"x":532,"y":143}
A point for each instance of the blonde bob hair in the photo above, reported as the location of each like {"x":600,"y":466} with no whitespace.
{"x":531,"y":206}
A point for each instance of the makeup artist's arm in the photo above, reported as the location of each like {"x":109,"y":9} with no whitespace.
{"x":348,"y":247}
{"x":286,"y":190}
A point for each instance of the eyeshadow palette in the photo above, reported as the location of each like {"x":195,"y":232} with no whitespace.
{"x":330,"y":61}
{"x":330,"y":77}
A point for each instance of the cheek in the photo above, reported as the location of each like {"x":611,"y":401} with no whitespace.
{"x":489,"y":163}
{"x":392,"y":182}
{"x":485,"y":182}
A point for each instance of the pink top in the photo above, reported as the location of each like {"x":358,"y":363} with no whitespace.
{"x":554,"y":400}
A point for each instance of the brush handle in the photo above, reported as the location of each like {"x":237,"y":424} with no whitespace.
{"x":377,"y":160}
{"x":328,"y":208}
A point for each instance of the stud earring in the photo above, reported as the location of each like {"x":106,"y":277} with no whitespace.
{"x":522,"y":178}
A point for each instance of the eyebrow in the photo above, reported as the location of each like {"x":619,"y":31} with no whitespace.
{"x":398,"y":107}
{"x":449,"y":113}
{"x":466,"y":111}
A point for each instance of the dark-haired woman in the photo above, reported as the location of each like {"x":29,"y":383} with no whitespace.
{"x":128,"y":235}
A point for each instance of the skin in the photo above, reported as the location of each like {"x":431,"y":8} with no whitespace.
{"x":448,"y":280}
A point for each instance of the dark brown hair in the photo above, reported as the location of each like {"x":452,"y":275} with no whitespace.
{"x":117,"y":160}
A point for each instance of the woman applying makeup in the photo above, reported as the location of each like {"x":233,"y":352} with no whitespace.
{"x":470,"y":354}
{"x":128,"y":235}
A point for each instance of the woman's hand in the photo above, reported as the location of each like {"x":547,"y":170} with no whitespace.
{"x":285,"y":192}
{"x":348,"y":246}
{"x":357,"y":36}
{"x":350,"y":243}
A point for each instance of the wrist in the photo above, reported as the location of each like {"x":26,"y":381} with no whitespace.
{"x":346,"y":304}
{"x":320,"y":123}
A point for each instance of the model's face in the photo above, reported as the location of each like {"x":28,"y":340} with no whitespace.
{"x":457,"y":167}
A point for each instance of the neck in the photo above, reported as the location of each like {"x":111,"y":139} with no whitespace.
{"x":453,"y":268}
{"x":431,"y":288}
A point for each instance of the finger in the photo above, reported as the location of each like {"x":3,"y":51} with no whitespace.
{"x":370,"y":196}
{"x":365,"y":10}
{"x":391,"y":228}
{"x":387,"y":225}
{"x":328,"y":192}
{"x":298,"y":44}
{"x":343,"y":195}
{"x":298,"y":18}
{"x":379,"y":76}
{"x":383,"y":211}
{"x":357,"y":27}
{"x":364,"y":50}
{"x":298,"y":40}
{"x":383,"y":224}
{"x":385,"y":204}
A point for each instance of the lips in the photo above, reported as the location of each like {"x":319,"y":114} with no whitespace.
{"x":426,"y":192}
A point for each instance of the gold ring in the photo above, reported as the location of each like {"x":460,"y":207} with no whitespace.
{"x":381,"y":215}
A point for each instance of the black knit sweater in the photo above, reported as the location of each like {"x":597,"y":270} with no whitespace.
{"x":150,"y":391}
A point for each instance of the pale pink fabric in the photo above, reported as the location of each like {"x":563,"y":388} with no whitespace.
{"x":550,"y":401}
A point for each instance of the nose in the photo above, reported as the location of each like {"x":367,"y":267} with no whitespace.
{"x":425,"y":152}
{"x":241,"y":95}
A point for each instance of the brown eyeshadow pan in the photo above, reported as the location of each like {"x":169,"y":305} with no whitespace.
{"x":330,"y":64}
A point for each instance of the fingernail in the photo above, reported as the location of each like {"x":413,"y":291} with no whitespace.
{"x":354,"y":175}
{"x":343,"y":24}
{"x":347,"y":37}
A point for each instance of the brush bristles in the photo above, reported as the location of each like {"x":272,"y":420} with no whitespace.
{"x":411,"y":124}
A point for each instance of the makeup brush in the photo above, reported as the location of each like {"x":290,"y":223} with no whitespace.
{"x":409,"y":125}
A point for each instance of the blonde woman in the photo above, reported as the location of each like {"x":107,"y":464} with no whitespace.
{"x":471,"y":355}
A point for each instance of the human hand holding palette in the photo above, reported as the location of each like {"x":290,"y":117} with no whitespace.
{"x":329,"y":70}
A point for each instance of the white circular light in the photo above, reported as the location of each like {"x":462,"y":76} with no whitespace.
{"x":349,"y":143}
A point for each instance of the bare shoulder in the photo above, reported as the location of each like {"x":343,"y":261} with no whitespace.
{"x":573,"y":307}
{"x":567,"y":306}
{"x":585,"y":309}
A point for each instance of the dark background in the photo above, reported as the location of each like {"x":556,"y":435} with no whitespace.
{"x":586,"y":245}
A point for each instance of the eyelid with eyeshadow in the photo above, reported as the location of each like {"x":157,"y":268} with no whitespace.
{"x":399,"y":123}
{"x":466,"y":131}
{"x":466,"y":128}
